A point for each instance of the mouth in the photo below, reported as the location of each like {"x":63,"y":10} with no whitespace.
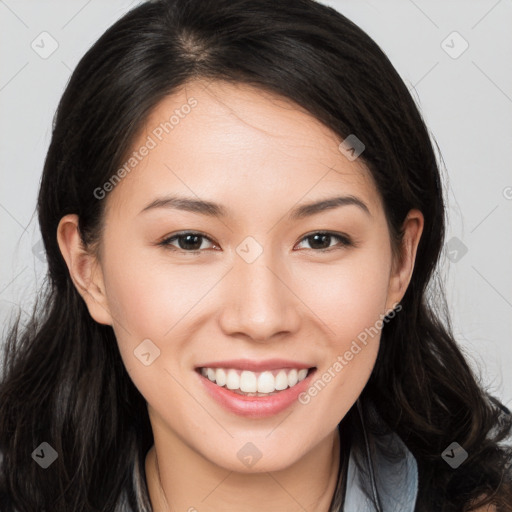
{"x":255,"y":383}
{"x":255,"y":389}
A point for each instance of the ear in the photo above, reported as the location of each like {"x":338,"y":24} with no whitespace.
{"x":403,"y":265}
{"x":84,"y":269}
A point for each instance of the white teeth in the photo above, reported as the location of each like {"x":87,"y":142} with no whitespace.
{"x":232,"y":380}
{"x":292,"y":378}
{"x":248,"y":382}
{"x":220,"y":377}
{"x":254,"y":382}
{"x":266,"y":383}
{"x":281,"y":380}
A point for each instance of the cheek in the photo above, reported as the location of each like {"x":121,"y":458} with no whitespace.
{"x":145,"y":304}
{"x":349,"y":299}
{"x":146,"y":294}
{"x":348,"y":296}
{"x":150,"y":298}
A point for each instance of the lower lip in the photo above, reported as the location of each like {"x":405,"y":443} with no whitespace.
{"x":256,"y":406}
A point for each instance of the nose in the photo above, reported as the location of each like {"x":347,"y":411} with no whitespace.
{"x":259,"y":301}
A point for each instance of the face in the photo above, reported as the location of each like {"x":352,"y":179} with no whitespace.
{"x":256,"y":281}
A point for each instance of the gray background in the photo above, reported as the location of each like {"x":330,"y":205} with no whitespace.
{"x":465,"y":95}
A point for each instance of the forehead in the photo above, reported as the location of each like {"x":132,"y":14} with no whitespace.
{"x":215,"y":139}
{"x":243,"y":118}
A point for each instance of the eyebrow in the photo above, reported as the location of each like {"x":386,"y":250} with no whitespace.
{"x":212,"y":209}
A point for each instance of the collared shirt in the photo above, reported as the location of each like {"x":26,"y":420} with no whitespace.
{"x":389,"y":470}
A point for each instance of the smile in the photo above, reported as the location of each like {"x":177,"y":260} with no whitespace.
{"x":255,"y":388}
{"x":249,"y":383}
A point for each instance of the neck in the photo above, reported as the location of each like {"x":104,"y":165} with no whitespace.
{"x":180,"y":479}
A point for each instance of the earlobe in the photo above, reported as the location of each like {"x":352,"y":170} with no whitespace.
{"x":84,"y":269}
{"x":404,"y":265}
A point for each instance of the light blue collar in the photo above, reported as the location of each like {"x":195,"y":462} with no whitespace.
{"x":387,"y":467}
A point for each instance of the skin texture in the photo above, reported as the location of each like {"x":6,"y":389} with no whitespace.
{"x":260,"y":156}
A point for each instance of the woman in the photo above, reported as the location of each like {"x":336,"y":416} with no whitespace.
{"x":241,"y":210}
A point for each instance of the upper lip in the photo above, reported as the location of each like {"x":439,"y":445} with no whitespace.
{"x":256,"y":366}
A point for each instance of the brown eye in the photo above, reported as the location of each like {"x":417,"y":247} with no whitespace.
{"x":187,"y":242}
{"x":321,"y":241}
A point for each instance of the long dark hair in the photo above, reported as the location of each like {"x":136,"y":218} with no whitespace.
{"x":64,"y":382}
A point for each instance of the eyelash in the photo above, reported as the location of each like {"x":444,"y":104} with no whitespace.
{"x":344,"y":240}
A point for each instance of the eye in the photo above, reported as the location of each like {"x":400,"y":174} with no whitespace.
{"x":321,"y":240}
{"x":189,"y":241}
